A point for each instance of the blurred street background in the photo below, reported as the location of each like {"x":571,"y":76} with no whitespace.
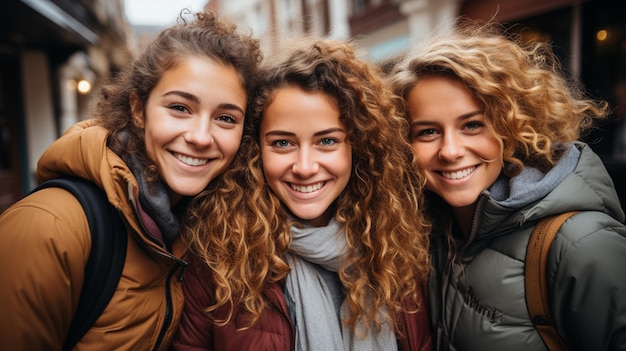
{"x":56,"y":54}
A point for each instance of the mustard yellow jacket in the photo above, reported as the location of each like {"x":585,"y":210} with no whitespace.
{"x":45,"y":244}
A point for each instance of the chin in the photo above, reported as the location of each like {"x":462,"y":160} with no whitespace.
{"x":188,"y":192}
{"x":306,"y":217}
{"x":459,"y":200}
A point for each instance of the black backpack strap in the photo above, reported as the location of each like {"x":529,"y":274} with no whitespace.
{"x":106,"y":258}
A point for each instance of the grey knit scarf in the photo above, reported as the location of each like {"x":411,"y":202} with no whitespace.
{"x":312,"y":296}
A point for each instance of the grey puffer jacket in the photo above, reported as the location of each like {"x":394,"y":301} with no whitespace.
{"x":478,"y":303}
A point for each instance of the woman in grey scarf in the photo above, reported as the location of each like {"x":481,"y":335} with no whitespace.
{"x":326,"y":249}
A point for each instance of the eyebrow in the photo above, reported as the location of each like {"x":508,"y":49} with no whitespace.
{"x":461,"y":117}
{"x":196,"y":100}
{"x":321,"y":132}
{"x":183,"y":94}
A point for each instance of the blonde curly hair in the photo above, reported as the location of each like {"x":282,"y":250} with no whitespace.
{"x":532,"y":106}
{"x":242,"y":229}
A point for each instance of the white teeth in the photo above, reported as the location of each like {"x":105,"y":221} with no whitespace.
{"x":190,"y":160}
{"x":458,"y":174}
{"x":307,"y":188}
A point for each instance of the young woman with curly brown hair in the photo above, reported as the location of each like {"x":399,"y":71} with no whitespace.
{"x":164,"y":129}
{"x":325,"y":246}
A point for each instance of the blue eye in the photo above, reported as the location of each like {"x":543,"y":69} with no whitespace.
{"x":281,"y":143}
{"x":328,"y":141}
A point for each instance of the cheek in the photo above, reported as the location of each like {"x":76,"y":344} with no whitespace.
{"x":157,"y":131}
{"x":493,"y":149}
{"x":228,"y":140}
{"x":232,"y":145}
{"x":272,"y":171}
{"x":421,"y":154}
{"x":348,"y":165}
{"x":271,"y":165}
{"x":343,"y":162}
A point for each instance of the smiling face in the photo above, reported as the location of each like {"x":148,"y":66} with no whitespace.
{"x":193,"y":123}
{"x":306,"y":160}
{"x":451,"y":141}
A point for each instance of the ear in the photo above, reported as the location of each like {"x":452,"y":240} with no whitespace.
{"x":136,"y":110}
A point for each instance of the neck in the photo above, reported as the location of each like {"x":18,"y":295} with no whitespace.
{"x":463,"y":217}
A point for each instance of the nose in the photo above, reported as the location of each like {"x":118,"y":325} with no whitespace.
{"x":200,"y":133}
{"x":451,"y":147}
{"x":305,"y":164}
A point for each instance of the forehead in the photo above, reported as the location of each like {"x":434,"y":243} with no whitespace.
{"x":435,"y":97}
{"x":205,"y":78}
{"x":297,"y":109}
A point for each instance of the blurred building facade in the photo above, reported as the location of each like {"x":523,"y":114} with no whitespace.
{"x":53,"y":56}
{"x":589,"y":36}
{"x":48,"y":46}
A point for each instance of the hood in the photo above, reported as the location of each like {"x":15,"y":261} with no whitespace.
{"x":588,"y":187}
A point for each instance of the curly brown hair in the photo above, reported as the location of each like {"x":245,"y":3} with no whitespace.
{"x":531,"y":104}
{"x":206,"y":35}
{"x":381,"y":206}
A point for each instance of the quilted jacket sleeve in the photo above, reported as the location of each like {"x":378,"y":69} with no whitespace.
{"x":44,"y":246}
{"x":589,"y":282}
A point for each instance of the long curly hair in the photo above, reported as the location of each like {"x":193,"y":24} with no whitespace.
{"x":230,"y":230}
{"x":381,"y":206}
{"x":206,"y":35}
{"x":533,"y":108}
{"x":531,"y":104}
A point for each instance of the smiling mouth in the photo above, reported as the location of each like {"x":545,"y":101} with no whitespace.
{"x":458,"y":174}
{"x":307,"y":188}
{"x":191,"y":161}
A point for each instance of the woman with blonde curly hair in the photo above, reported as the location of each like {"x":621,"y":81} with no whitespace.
{"x":326,"y":248}
{"x":494,"y":125}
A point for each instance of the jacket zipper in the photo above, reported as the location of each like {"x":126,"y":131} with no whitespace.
{"x":167,"y":321}
{"x":178,"y":264}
